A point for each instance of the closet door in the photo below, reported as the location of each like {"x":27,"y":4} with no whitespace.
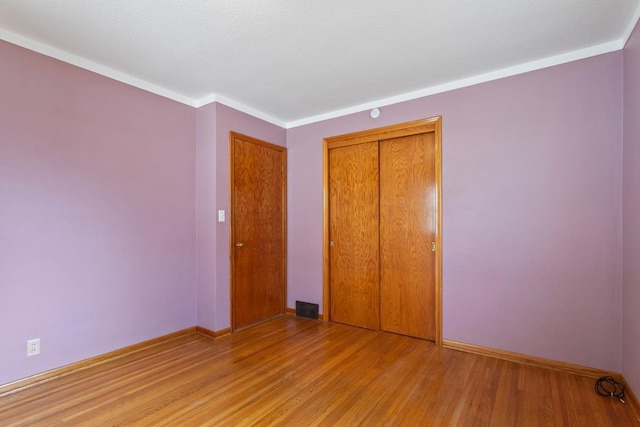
{"x":408,"y":201}
{"x":354,"y":234}
{"x":381,"y":231}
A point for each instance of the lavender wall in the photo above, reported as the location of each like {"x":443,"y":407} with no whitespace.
{"x":631,"y":215}
{"x":214,"y":123}
{"x":97,"y":214}
{"x":206,"y":215}
{"x":109,"y":199}
{"x":531,"y":209}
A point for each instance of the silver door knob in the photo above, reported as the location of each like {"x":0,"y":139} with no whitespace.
{"x":239,"y":244}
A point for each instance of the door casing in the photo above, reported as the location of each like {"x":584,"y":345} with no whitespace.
{"x":233,"y":235}
{"x":434,"y":125}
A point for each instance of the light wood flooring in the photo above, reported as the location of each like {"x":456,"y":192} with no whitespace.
{"x":299,"y":372}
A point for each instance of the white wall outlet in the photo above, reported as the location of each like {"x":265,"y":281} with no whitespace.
{"x":33,"y":347}
{"x":221,"y":216}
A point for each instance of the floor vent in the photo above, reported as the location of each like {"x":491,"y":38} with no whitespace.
{"x":307,"y":309}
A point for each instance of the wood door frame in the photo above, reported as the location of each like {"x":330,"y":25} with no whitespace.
{"x":232,"y":267}
{"x":433,"y":124}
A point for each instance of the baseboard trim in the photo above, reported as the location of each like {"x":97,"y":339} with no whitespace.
{"x":86,"y":363}
{"x":212,"y":334}
{"x":529,"y":360}
{"x":631,"y":398}
{"x":541,"y":362}
{"x":292,"y":312}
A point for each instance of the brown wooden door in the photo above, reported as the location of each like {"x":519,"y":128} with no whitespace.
{"x":353,"y":187}
{"x":382,"y":261}
{"x":407,"y":233}
{"x":258,"y":230}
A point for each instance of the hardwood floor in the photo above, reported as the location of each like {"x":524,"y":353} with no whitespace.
{"x":300,"y":372}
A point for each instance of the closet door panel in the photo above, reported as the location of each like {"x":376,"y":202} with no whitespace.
{"x":407,"y":232}
{"x":354,"y":234}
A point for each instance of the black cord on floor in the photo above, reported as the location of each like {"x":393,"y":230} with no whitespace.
{"x":607,"y":386}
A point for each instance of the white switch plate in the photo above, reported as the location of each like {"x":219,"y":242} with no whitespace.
{"x":221,"y":216}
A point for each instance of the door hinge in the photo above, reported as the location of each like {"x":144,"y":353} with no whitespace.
{"x":433,"y":246}
{"x":282,"y":169}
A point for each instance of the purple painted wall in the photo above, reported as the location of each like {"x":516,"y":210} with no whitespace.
{"x":532,"y":189}
{"x":214,"y":123}
{"x":97,"y":214}
{"x":631,"y":215}
{"x":109,"y":199}
{"x":206,"y":215}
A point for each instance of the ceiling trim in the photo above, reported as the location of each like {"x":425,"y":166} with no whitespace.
{"x":94,"y":67}
{"x":632,"y":25}
{"x":240,"y":107}
{"x":196,"y":103}
{"x":458,"y":84}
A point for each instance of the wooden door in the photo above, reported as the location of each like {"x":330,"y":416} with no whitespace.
{"x":382,"y":229}
{"x":353,"y":187}
{"x":258,"y":230}
{"x":407,"y":235}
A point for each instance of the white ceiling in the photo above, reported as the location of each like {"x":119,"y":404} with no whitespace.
{"x":292,"y":61}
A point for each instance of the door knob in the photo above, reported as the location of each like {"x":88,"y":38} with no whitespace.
{"x":239,"y":244}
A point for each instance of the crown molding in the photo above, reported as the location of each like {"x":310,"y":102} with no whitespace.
{"x":94,"y":67}
{"x":408,"y":96}
{"x":229,"y":102}
{"x":462,"y":83}
{"x":632,"y":25}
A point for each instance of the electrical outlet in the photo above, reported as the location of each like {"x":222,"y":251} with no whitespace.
{"x":33,"y":347}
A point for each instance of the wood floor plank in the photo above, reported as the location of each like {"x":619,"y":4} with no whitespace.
{"x":299,"y":372}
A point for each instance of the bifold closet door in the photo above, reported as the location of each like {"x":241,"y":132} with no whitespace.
{"x":354,"y":235}
{"x":407,"y":233}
